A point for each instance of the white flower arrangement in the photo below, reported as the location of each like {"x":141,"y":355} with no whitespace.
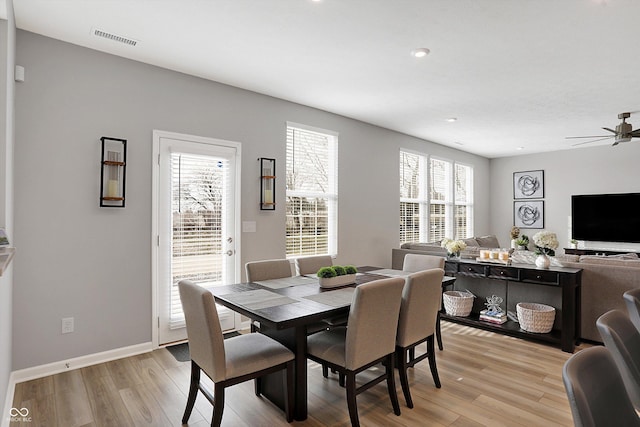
{"x":546,"y":242}
{"x":453,"y":246}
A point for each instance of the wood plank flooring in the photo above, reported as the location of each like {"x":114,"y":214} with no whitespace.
{"x":487,"y":380}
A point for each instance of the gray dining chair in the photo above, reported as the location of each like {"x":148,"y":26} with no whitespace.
{"x":311,"y":264}
{"x":596,"y":391}
{"x":417,"y":324}
{"x":268,"y":269}
{"x":227,"y":361}
{"x":419,"y":262}
{"x":622,"y":339}
{"x":367,"y":340}
{"x":632,"y":300}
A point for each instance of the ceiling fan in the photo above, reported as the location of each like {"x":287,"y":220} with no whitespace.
{"x":623,"y":132}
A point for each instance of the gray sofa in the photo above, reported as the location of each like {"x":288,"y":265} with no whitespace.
{"x":604,"y":279}
{"x":474,"y":245}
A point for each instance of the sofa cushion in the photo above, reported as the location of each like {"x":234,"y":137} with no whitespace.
{"x":420,"y":246}
{"x":471,"y":241}
{"x":488,"y":241}
{"x":601,"y":260}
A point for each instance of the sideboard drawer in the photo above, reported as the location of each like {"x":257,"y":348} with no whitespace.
{"x":541,"y":276}
{"x":506,"y":273}
{"x":472,"y":269}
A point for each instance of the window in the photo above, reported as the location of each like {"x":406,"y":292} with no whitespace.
{"x":312,"y":191}
{"x":436,"y":199}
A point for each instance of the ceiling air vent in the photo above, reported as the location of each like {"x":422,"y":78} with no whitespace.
{"x":114,"y":37}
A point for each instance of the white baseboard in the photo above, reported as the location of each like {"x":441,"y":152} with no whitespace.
{"x":32,"y":373}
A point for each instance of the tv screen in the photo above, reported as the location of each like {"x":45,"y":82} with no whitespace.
{"x":606,"y":217}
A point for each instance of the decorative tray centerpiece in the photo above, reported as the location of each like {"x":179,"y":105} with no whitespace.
{"x":494,"y":256}
{"x":337,"y":275}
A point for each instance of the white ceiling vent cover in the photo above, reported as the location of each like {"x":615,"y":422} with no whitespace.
{"x":114,"y":37}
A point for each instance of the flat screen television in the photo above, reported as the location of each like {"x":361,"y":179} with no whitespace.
{"x":606,"y":217}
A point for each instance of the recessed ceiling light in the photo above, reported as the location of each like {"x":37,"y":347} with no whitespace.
{"x":452,"y":119}
{"x":420,"y":52}
{"x":520,"y":148}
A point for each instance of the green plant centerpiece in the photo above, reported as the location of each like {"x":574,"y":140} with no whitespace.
{"x":337,"y":275}
{"x":522,"y":242}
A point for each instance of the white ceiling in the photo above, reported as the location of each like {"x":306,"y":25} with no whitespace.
{"x":519,"y":75}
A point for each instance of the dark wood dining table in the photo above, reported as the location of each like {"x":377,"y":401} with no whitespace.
{"x":293,"y":310}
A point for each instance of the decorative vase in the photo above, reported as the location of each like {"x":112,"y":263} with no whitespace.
{"x":514,"y":245}
{"x":454,"y":256}
{"x":332,"y":282}
{"x":543,"y":261}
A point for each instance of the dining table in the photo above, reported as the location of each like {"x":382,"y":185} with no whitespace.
{"x":284,"y":309}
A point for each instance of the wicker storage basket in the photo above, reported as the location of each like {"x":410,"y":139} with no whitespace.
{"x":535,"y":317}
{"x":457,"y":303}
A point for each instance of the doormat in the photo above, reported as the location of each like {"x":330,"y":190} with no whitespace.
{"x":181,"y":351}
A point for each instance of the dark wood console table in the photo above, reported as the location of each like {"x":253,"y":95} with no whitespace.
{"x":555,"y":286}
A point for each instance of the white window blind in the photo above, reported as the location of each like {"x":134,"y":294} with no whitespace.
{"x":197,"y":204}
{"x":311,"y":191}
{"x":436,"y":199}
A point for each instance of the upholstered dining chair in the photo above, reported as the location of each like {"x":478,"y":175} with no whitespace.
{"x":622,"y":339}
{"x":417,"y":324}
{"x":311,"y":264}
{"x":632,"y":299}
{"x":596,"y":391}
{"x":367,"y":340}
{"x":418,"y":262}
{"x":227,"y":362}
{"x":267,"y":269}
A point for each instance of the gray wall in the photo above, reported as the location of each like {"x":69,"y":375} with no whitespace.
{"x":76,"y":259}
{"x":7,"y":63}
{"x":600,"y":169}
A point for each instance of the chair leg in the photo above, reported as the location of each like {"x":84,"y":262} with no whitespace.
{"x":391,"y":384}
{"x":401,"y":360}
{"x":351,"y":398}
{"x":341,"y":380}
{"x":439,"y":332}
{"x":325,"y":371}
{"x":218,"y":405}
{"x":432,"y":361}
{"x":193,"y":391}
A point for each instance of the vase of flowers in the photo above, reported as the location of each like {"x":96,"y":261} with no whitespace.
{"x":453,"y":247}
{"x":546,"y":245}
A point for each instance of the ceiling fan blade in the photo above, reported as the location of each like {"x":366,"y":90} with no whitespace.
{"x":593,"y":136}
{"x":610,"y":130}
{"x":593,"y":140}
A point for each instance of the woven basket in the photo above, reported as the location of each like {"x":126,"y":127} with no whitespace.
{"x":535,"y":317}
{"x":457,"y":303}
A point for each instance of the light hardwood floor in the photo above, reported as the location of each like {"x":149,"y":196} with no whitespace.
{"x":487,"y":380}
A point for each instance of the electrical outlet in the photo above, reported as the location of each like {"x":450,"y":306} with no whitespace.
{"x":67,"y":325}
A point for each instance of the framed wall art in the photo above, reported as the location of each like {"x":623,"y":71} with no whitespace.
{"x":529,"y":214}
{"x":528,"y":185}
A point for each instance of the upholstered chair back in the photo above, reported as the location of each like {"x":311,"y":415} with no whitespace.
{"x":311,"y":264}
{"x":373,"y":320}
{"x":419,"y":307}
{"x":206,"y":345}
{"x":632,"y":300}
{"x":596,"y":391}
{"x":268,"y":269}
{"x":417,"y":262}
{"x":622,"y":339}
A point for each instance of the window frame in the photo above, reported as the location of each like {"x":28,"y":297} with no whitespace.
{"x":450,"y":202}
{"x":331,"y":194}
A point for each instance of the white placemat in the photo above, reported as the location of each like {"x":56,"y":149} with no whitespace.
{"x":338,"y":298}
{"x":259,"y":298}
{"x":390,"y":273}
{"x":286,"y":282}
